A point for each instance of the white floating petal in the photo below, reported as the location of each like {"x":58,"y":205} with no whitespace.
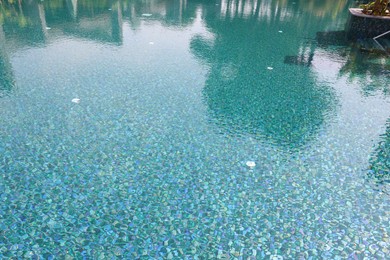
{"x":76,"y":100}
{"x":250,"y":164}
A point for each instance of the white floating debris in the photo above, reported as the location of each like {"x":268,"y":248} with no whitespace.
{"x":270,"y":68}
{"x":280,"y":31}
{"x":146,"y":15}
{"x":48,"y":28}
{"x":151,"y":43}
{"x":76,"y":100}
{"x":250,"y":164}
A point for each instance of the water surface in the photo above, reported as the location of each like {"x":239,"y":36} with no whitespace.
{"x":126,"y":128}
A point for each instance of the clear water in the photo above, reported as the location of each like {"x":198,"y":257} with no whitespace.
{"x":126,"y":128}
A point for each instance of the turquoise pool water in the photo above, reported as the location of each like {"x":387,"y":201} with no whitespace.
{"x":127,"y":128}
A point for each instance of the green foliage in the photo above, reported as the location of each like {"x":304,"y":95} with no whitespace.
{"x":377,"y":8}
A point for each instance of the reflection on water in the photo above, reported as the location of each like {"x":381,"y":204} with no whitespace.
{"x":94,"y":20}
{"x":337,"y":38}
{"x":283,"y":104}
{"x":24,"y":22}
{"x":370,"y":69}
{"x":380,"y":161}
{"x":247,"y":97}
{"x":282,"y":10}
{"x":29,"y":22}
{"x":104,"y":19}
{"x":6,"y":74}
{"x":173,"y":98}
{"x":364,"y":60}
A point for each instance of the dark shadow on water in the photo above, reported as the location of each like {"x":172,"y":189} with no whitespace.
{"x":336,"y":38}
{"x":379,"y":170}
{"x":301,"y":60}
{"x":245,"y":96}
{"x":6,"y":78}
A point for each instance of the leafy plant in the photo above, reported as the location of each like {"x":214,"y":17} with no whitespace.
{"x":377,"y":8}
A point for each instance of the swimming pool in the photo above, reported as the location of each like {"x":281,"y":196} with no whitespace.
{"x":127,"y":128}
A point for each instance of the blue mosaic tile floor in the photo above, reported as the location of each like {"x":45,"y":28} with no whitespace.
{"x":190,"y":130}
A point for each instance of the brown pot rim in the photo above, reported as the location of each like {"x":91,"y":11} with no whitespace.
{"x":358,"y":12}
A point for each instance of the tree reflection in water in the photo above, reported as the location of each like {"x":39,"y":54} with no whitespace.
{"x":364,"y":60}
{"x":6,"y":74}
{"x":380,"y":162}
{"x":283,"y":106}
{"x":367,"y":64}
